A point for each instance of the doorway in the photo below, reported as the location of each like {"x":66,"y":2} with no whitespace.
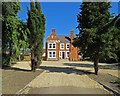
{"x":63,"y":55}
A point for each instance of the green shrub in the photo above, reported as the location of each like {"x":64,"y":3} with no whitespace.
{"x":13,"y":60}
{"x":5,"y":61}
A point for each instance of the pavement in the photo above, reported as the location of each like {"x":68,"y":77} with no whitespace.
{"x":15,"y":78}
{"x":66,"y":90}
{"x":61,"y":78}
{"x":13,"y":81}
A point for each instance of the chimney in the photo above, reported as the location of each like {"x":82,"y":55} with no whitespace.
{"x":53,"y":31}
{"x":72,"y":34}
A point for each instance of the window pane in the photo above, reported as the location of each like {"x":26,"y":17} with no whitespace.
{"x":50,"y":45}
{"x":53,"y":45}
{"x":62,"y":45}
{"x":67,"y":54}
{"x":50,"y":54}
{"x":68,"y":45}
{"x":54,"y":54}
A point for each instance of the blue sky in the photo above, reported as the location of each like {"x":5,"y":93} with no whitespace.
{"x":59,"y":15}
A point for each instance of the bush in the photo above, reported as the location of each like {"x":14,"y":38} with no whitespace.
{"x":13,"y":60}
{"x":108,"y":60}
{"x":5,"y":61}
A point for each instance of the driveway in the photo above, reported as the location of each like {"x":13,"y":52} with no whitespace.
{"x":58,"y":77}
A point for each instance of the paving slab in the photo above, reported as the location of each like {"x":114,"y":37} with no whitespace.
{"x":66,"y":90}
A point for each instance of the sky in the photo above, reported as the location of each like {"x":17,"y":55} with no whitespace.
{"x":59,"y":15}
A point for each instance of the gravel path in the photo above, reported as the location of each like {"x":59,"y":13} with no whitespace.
{"x":57,"y":75}
{"x":63,"y":79}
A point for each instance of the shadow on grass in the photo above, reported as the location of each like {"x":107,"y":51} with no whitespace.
{"x":66,"y":70}
{"x":112,"y":66}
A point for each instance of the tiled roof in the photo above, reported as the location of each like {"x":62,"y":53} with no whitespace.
{"x":62,"y":38}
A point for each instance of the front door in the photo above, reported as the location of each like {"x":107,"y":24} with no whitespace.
{"x":63,"y":55}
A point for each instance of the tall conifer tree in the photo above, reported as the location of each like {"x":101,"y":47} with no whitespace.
{"x":36,"y":25}
{"x":97,"y":37}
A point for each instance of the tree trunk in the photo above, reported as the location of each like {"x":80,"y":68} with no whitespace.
{"x":96,"y":61}
{"x":32,"y":61}
{"x":35,"y":54}
{"x":10,"y":56}
{"x":35,"y":63}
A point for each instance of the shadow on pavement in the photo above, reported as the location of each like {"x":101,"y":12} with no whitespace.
{"x":16,"y":69}
{"x":66,"y":70}
{"x":112,"y":66}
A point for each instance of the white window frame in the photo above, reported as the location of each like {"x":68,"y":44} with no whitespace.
{"x":51,"y":45}
{"x":60,"y":54}
{"x":67,"y":55}
{"x":55,"y":45}
{"x":52,"y":54}
{"x":61,"y":46}
{"x":69,"y":45}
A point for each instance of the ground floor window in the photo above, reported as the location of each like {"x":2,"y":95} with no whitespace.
{"x":63,"y":54}
{"x":51,"y":54}
{"x":67,"y":54}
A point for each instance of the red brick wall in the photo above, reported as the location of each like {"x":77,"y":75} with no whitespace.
{"x":73,"y":52}
{"x":52,"y":37}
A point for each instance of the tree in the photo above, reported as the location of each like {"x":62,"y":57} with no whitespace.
{"x":36,"y":25}
{"x":98,"y":37}
{"x":22,"y":37}
{"x":9,"y":29}
{"x":117,"y":24}
{"x":14,"y":32}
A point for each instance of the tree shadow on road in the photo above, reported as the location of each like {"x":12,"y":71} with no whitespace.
{"x":66,"y":70}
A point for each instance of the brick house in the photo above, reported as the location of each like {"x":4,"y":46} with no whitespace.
{"x":60,"y":47}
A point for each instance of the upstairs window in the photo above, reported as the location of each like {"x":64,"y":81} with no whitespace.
{"x":51,"y":46}
{"x":54,"y":45}
{"x":62,"y":46}
{"x":67,"y":46}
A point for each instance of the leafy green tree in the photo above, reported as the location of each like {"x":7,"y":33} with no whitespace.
{"x":23,"y":37}
{"x":36,"y":25}
{"x":14,"y":32}
{"x":9,"y":29}
{"x":98,"y":36}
